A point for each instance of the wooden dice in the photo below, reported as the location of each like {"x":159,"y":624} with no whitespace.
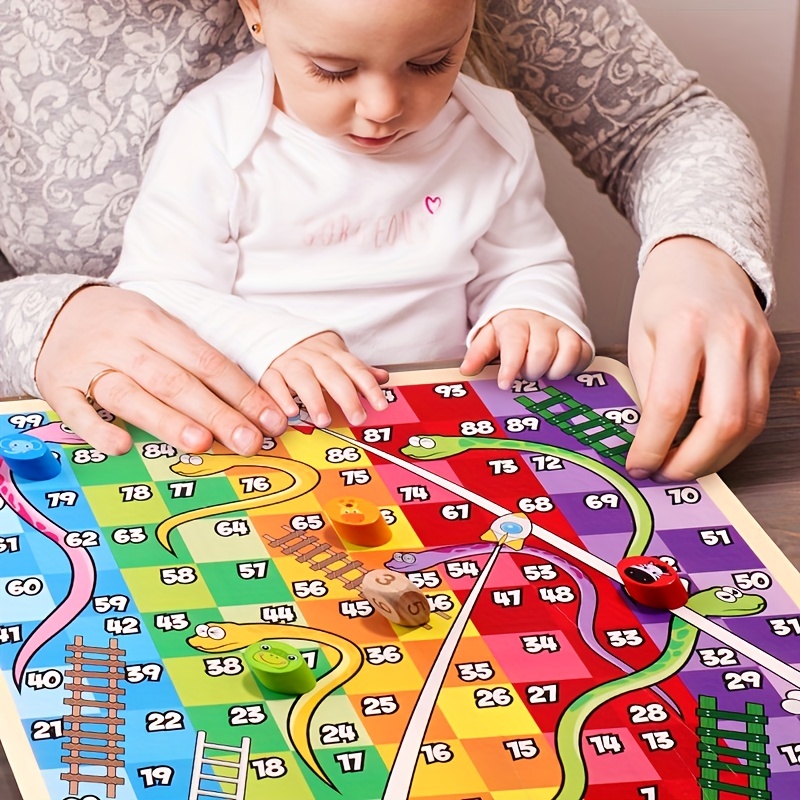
{"x":394,"y":596}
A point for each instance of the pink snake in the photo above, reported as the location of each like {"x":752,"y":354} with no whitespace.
{"x":84,"y":573}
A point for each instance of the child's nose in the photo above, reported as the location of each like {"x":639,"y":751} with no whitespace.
{"x":379,"y":99}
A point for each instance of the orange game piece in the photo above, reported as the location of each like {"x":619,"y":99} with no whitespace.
{"x":652,"y":582}
{"x":393,"y":594}
{"x":358,"y":521}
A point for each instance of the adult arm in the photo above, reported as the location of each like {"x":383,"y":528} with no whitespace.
{"x":69,"y":171}
{"x":58,"y":331}
{"x":685,"y":172}
{"x":29,"y":305}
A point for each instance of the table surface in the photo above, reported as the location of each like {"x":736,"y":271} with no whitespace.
{"x":766,"y":477}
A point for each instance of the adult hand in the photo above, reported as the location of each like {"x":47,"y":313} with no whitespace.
{"x":322,"y":364}
{"x":165,"y":379}
{"x":695,"y":318}
{"x":530,"y":344}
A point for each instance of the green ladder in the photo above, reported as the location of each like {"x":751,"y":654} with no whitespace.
{"x":592,"y":430}
{"x":753,"y":760}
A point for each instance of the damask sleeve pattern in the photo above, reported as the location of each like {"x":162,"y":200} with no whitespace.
{"x":29,"y":305}
{"x":86,"y":84}
{"x":671,"y":157}
{"x":85,"y":87}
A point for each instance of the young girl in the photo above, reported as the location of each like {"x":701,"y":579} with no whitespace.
{"x":345,"y":197}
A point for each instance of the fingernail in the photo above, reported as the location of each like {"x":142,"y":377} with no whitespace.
{"x":659,"y":478}
{"x":358,"y":417}
{"x":194,"y":438}
{"x":270,"y":420}
{"x":639,"y":474}
{"x":244,"y":440}
{"x":322,"y":420}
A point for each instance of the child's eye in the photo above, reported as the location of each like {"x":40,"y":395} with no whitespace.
{"x":327,"y":75}
{"x":442,"y":65}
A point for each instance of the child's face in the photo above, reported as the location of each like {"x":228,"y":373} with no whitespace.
{"x":364,"y":72}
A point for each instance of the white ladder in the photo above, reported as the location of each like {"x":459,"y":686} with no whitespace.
{"x":200,"y":760}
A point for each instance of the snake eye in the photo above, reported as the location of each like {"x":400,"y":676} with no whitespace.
{"x":202,"y":631}
{"x":427,"y":443}
{"x":185,"y":459}
{"x":195,"y":461}
{"x":265,"y":647}
{"x":726,"y":594}
{"x":215,"y":632}
{"x":292,"y":658}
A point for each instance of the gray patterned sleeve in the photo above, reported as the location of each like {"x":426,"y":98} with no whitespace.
{"x":84,"y":88}
{"x":29,"y":305}
{"x":671,"y":157}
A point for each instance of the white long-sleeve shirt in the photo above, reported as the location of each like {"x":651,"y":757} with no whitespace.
{"x":258,"y":232}
{"x":671,"y":157}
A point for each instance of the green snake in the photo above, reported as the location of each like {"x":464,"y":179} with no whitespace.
{"x":427,"y":448}
{"x":682,"y":637}
{"x":681,"y":640}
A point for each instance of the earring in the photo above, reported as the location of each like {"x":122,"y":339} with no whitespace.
{"x":256,"y":27}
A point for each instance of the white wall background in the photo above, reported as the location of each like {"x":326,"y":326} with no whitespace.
{"x":747,"y":52}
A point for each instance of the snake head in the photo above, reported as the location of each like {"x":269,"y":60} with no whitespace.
{"x":427,"y":447}
{"x":726,"y":601}
{"x":207,"y":464}
{"x":211,"y":638}
{"x":188,"y":465}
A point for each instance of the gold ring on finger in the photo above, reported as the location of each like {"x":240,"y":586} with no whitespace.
{"x":89,"y":393}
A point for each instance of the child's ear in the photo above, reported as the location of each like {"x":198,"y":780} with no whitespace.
{"x":252,"y":15}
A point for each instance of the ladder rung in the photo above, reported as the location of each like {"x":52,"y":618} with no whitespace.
{"x":226,"y":747}
{"x":219,"y":762}
{"x":221,"y":778}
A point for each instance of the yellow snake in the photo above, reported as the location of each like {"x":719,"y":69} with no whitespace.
{"x":224,"y":637}
{"x":293,"y":479}
{"x":289,"y":479}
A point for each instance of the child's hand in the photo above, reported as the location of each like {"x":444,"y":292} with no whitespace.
{"x":530,"y":344}
{"x":322,"y":363}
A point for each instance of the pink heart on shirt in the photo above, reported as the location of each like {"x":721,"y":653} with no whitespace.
{"x":432,"y":204}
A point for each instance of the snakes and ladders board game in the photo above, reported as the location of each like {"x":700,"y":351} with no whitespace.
{"x":131,"y":586}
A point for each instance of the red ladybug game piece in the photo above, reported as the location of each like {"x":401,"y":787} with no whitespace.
{"x":652,"y":582}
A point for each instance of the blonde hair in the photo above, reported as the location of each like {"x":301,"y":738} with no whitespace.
{"x":486,"y":58}
{"x":485,"y":55}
